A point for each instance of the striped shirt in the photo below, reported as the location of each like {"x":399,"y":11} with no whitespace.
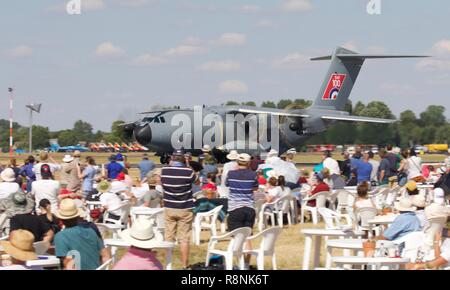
{"x":241,"y":182}
{"x":177,"y":182}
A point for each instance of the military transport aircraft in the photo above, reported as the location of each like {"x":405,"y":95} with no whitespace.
{"x":156,"y":129}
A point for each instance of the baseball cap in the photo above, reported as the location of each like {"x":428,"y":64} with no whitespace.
{"x":178,"y":152}
{"x":46,"y":171}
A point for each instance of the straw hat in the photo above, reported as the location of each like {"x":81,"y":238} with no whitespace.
{"x":411,"y":186}
{"x":405,"y":204}
{"x":77,"y":154}
{"x":68,"y":210}
{"x":206,"y":148}
{"x":20,"y":245}
{"x":67,"y":158}
{"x":234,"y":155}
{"x":140,"y":234}
{"x":244,"y":157}
{"x":103,"y":186}
{"x":8,"y":175}
{"x":419,"y":201}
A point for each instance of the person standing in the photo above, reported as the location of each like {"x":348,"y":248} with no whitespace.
{"x":363,"y":169}
{"x":177,"y":180}
{"x":375,"y":166}
{"x":230,"y":165}
{"x":386,"y":168}
{"x":335,"y":172}
{"x":44,"y":158}
{"x":46,"y":188}
{"x":27,"y":172}
{"x":145,"y":166}
{"x":414,"y":165}
{"x":113,"y":168}
{"x":88,"y":176}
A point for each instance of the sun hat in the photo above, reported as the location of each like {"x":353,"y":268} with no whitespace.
{"x":20,"y":245}
{"x":272,"y":153}
{"x":103,"y":186}
{"x":405,"y":204}
{"x":233,"y":155}
{"x":439,"y":196}
{"x":140,"y":235}
{"x":206,"y":148}
{"x":419,"y":201}
{"x":67,"y":158}
{"x":244,"y":157}
{"x":68,"y":210}
{"x":152,"y":181}
{"x":411,"y":186}
{"x":119,"y":157}
{"x":8,"y":175}
{"x":117,"y":187}
{"x":77,"y":154}
{"x":291,"y":151}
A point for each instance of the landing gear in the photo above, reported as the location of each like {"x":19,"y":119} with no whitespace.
{"x":164,"y":159}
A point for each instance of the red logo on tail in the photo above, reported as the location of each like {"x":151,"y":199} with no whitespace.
{"x":334,"y":86}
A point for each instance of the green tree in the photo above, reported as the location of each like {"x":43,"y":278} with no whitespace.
{"x":302,"y":103}
{"x":268,"y":104}
{"x":251,"y":104}
{"x":282,"y":104}
{"x":433,"y":116}
{"x":67,"y":138}
{"x":406,"y":128}
{"x":381,"y":134}
{"x":359,"y":107}
{"x":232,"y":103}
{"x":83,"y":131}
{"x":443,"y":135}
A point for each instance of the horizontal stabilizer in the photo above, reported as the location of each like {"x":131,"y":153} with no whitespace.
{"x":358,"y":119}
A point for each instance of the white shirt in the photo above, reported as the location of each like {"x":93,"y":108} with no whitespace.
{"x":8,"y":188}
{"x":46,"y":189}
{"x":37,"y":169}
{"x":362,"y":203}
{"x":112,"y":202}
{"x":232,"y":165}
{"x":414,"y":164}
{"x":332,"y":165}
{"x":375,"y":166}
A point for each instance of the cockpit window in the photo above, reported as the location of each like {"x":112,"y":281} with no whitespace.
{"x":157,"y":120}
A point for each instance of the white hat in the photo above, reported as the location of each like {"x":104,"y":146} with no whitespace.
{"x":272,"y":153}
{"x":272,"y":173}
{"x":291,"y":151}
{"x":8,"y":175}
{"x":67,"y":158}
{"x":234,"y":155}
{"x":206,"y":148}
{"x":68,"y":210}
{"x":244,"y":157}
{"x":351,"y":150}
{"x":118,"y":187}
{"x":419,"y":201}
{"x":140,"y":234}
{"x":405,"y":204}
{"x":396,"y":150}
{"x":439,"y":196}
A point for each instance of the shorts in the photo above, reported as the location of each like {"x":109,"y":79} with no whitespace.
{"x":178,"y":222}
{"x":243,"y":217}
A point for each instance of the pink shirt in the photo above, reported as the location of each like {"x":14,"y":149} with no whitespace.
{"x":137,"y":259}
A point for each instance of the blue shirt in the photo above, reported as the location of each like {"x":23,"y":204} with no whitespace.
{"x":403,"y":224}
{"x":145,"y":166}
{"x":81,"y":239}
{"x":114,"y":169}
{"x":363,"y":171}
{"x":88,"y":180}
{"x":27,"y":171}
{"x":241,"y":182}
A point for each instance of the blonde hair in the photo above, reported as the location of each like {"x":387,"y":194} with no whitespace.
{"x":43,"y":156}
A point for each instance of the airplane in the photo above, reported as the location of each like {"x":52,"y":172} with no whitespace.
{"x":56,"y":148}
{"x":154,"y":131}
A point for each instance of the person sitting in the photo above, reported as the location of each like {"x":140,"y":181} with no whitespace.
{"x":403,"y":224}
{"x":411,"y":188}
{"x":9,"y":184}
{"x":20,"y":249}
{"x":272,"y":191}
{"x":153,"y":198}
{"x":420,"y":203}
{"x":140,"y":255}
{"x":33,"y":224}
{"x":363,"y":200}
{"x":319,"y":186}
{"x":110,"y":198}
{"x":16,"y":204}
{"x":210,"y":187}
{"x":46,"y":187}
{"x":47,"y":216}
{"x":82,"y":239}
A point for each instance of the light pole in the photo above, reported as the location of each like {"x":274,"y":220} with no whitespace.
{"x":11,"y":92}
{"x":36,"y":108}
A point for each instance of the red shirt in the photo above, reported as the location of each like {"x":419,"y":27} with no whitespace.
{"x":209,"y":186}
{"x":319,"y":188}
{"x":262,"y":181}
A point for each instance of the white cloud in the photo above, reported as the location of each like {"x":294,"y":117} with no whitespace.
{"x":265,"y":24}
{"x":109,"y":50}
{"x":399,"y":89}
{"x":91,"y":5}
{"x":250,"y":8}
{"x":433,"y":64}
{"x":148,"y":60}
{"x":220,"y":66}
{"x":231,"y":39}
{"x":442,"y":47}
{"x":292,"y":60}
{"x":297,"y":5}
{"x":186,"y":50}
{"x":192,"y":41}
{"x":232,"y":87}
{"x":22,"y":51}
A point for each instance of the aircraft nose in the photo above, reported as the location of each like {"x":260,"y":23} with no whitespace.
{"x":143,"y":134}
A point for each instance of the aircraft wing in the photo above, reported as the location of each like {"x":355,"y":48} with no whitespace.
{"x":358,"y":119}
{"x":267,"y":111}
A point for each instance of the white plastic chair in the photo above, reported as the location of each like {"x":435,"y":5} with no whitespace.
{"x":260,"y":218}
{"x":392,"y":195}
{"x":105,"y":266}
{"x":379,"y":198}
{"x":205,"y":220}
{"x":363,"y":216}
{"x":343,"y":199}
{"x":333,"y":219}
{"x":278,"y":208}
{"x":235,"y":247}
{"x":320,"y":198}
{"x":125,"y":208}
{"x":266,"y":247}
{"x":41,"y":247}
{"x":223,"y":191}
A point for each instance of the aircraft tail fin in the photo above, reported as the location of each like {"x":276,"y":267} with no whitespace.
{"x":342,"y":74}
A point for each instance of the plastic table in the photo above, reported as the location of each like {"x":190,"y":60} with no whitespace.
{"x":318,"y":234}
{"x":168,"y":246}
{"x":374,"y":263}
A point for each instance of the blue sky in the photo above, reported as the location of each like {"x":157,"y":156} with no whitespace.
{"x":120,"y":57}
